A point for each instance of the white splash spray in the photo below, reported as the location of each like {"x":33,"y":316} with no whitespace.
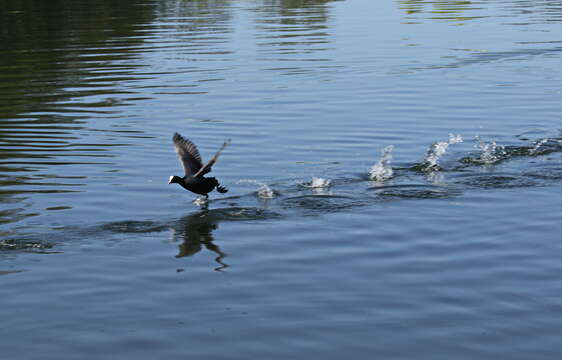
{"x":263,"y":191}
{"x":317,"y":183}
{"x":382,"y":170}
{"x":490,"y":152}
{"x":437,"y":150}
{"x":536,"y":148}
{"x":201,"y":201}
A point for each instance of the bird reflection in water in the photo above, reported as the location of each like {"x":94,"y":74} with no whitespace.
{"x":196,"y":231}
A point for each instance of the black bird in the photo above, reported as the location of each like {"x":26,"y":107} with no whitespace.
{"x":194,"y":180}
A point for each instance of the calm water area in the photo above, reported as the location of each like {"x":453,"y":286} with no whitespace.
{"x":394,"y":176}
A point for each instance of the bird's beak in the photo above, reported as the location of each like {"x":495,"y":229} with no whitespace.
{"x":170,"y":179}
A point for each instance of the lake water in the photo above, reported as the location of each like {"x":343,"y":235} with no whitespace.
{"x":395,"y":178}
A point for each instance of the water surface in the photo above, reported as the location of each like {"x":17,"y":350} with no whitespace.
{"x":448,"y":250}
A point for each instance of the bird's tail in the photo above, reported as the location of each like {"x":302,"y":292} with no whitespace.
{"x":220,"y":188}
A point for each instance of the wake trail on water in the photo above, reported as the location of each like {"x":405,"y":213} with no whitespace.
{"x":407,"y":178}
{"x":490,"y":166}
{"x":429,"y":178}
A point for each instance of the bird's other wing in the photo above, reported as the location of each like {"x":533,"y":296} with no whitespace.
{"x":207,"y":168}
{"x":188,"y":154}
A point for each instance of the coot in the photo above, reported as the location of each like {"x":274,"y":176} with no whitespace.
{"x":194,"y":180}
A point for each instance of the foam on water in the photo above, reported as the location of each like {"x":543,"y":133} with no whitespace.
{"x":382,"y":170}
{"x":437,"y":150}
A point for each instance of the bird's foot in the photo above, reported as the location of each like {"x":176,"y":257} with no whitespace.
{"x":201,"y":201}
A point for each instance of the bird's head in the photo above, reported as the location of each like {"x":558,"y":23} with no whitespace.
{"x":174,"y":179}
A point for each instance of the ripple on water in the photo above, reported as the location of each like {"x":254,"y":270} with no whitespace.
{"x":133,"y":226}
{"x":23,"y":244}
{"x":241,"y":214}
{"x":495,"y":181}
{"x":547,"y":174}
{"x":414,"y":191}
{"x":322,"y":203}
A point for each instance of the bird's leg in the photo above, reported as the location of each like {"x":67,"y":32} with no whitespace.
{"x":205,"y":204}
{"x":202,"y":201}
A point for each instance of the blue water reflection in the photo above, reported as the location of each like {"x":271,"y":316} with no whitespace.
{"x":394,"y":176}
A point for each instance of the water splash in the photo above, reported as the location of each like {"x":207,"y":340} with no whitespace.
{"x":317,"y":183}
{"x":318,"y":186}
{"x":437,"y":150}
{"x":490,"y":152}
{"x":537,"y":148}
{"x":320,"y":183}
{"x":263,"y":191}
{"x":201,"y":201}
{"x":382,"y":170}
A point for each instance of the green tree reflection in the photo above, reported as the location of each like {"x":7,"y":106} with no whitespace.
{"x":440,"y":10}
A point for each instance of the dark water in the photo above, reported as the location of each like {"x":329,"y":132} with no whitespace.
{"x":455,"y":256}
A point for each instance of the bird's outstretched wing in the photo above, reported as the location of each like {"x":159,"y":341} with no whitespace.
{"x":188,"y":154}
{"x":207,"y":168}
